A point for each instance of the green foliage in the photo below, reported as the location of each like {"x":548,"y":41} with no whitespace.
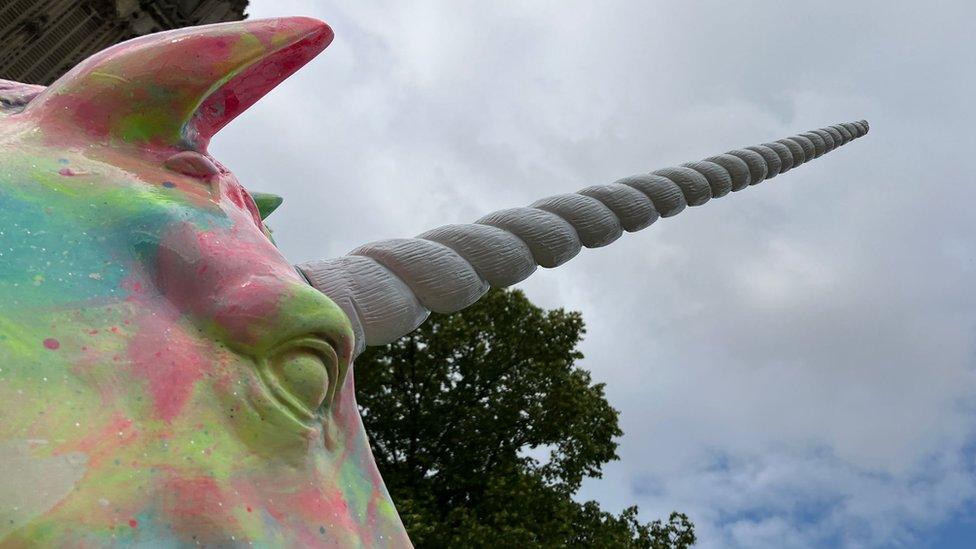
{"x":455,"y":410}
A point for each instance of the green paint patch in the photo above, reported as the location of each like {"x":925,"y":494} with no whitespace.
{"x":146,"y":127}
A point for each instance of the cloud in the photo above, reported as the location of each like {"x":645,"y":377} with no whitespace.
{"x":793,"y":363}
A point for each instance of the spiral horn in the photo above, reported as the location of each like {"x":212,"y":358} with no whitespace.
{"x":389,"y":287}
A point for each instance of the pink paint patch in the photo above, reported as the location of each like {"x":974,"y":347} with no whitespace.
{"x":171,"y":366}
{"x":312,"y":505}
{"x":69,"y":172}
{"x":241,"y":267}
{"x":52,"y":344}
{"x":196,"y":505}
{"x":133,"y":523}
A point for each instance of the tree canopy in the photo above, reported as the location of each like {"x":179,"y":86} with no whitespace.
{"x":484,"y":428}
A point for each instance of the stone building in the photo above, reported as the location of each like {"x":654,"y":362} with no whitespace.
{"x":41,"y":39}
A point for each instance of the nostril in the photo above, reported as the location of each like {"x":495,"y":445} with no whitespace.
{"x":192,"y":163}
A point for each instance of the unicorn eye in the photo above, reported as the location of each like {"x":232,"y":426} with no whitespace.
{"x":192,"y":163}
{"x":303,"y":375}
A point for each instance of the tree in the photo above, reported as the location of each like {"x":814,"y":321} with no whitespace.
{"x":462,"y":413}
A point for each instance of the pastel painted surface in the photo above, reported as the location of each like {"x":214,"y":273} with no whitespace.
{"x":166,"y":376}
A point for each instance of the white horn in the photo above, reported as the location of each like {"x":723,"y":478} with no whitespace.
{"x":389,"y":287}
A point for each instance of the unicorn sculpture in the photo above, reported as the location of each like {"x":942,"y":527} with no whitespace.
{"x":166,"y":376}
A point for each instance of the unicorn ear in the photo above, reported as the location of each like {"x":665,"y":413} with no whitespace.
{"x":266,"y":203}
{"x":174,"y":90}
{"x":14,"y":96}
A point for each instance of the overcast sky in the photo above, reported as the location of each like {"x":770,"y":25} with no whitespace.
{"x":793,"y":364}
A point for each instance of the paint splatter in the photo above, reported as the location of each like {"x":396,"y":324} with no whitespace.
{"x":166,"y":298}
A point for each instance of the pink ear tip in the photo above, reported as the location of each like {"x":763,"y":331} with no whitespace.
{"x":313,"y":25}
{"x":308,"y":29}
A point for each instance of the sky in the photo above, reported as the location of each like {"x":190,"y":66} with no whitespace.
{"x":794,"y":363}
